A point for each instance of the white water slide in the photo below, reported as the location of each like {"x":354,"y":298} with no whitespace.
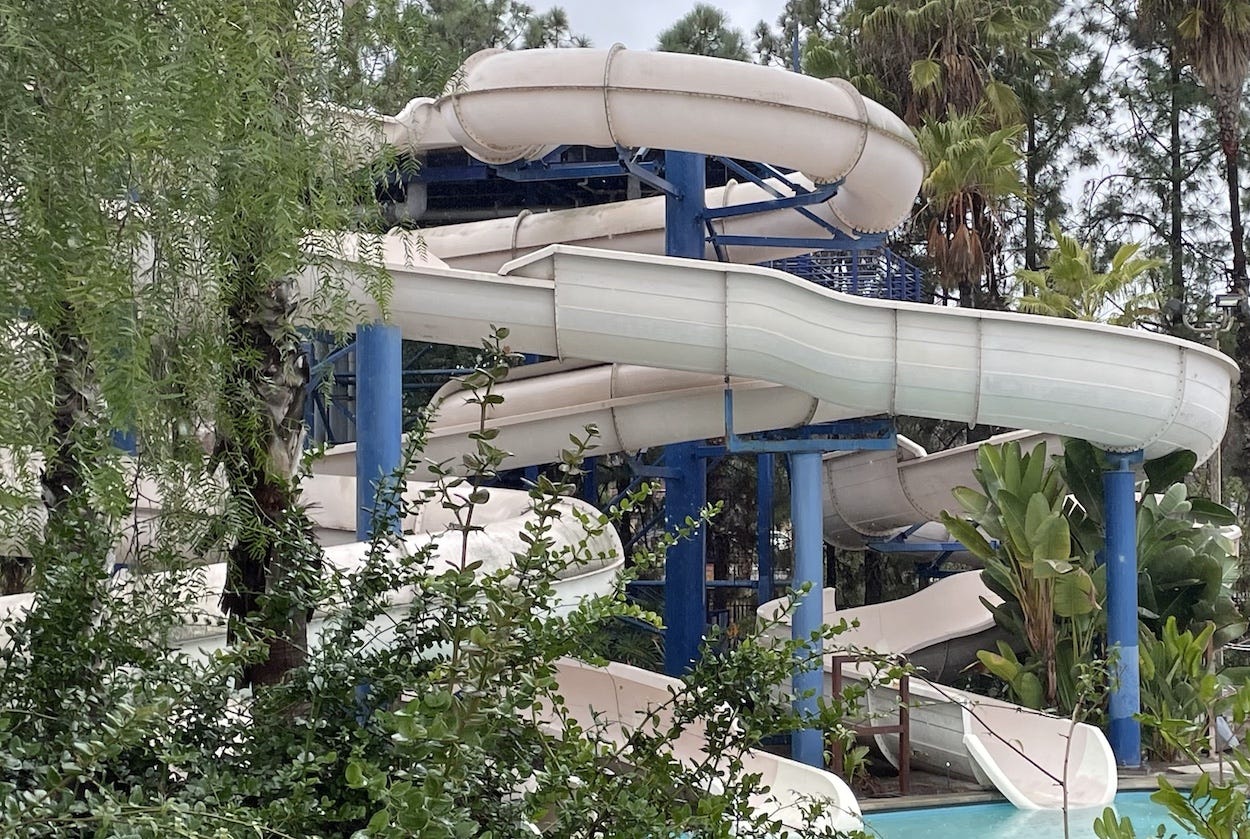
{"x":1029,"y":756}
{"x":671,"y":334}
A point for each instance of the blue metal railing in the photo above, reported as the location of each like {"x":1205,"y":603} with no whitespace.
{"x":877,"y":273}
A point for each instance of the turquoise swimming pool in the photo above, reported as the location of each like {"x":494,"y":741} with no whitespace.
{"x":1003,"y":821}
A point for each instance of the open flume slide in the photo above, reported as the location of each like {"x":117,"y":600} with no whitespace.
{"x":1023,"y":753}
{"x":618,"y":699}
{"x":1118,"y":388}
{"x":873,"y":495}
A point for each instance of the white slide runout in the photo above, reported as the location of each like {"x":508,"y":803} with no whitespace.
{"x":1021,"y":752}
{"x":618,"y":699}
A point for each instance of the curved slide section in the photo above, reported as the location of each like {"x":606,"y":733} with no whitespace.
{"x":504,"y":106}
{"x":1118,"y":388}
{"x":873,"y":495}
{"x":332,"y":503}
{"x":618,"y":699}
{"x":1020,"y":751}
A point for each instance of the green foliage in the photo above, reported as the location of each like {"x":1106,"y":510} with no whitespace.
{"x":1050,"y":593}
{"x":1215,"y":807}
{"x":437,"y":715}
{"x":973,"y":171}
{"x":1185,"y":570}
{"x":1069,"y":287}
{"x":705,"y":30}
{"x":1177,"y":690}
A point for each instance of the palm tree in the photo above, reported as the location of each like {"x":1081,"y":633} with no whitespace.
{"x":937,"y":56}
{"x":971,"y":173}
{"x":1069,"y":287}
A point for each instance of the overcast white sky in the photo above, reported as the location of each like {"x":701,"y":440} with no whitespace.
{"x":637,"y":23}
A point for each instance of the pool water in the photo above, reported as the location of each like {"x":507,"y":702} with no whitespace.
{"x":1003,"y":821}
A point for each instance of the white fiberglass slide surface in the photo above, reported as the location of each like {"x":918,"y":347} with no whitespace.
{"x":1020,"y":751}
{"x":873,"y":494}
{"x":332,"y":506}
{"x":618,"y":699}
{"x":504,"y":106}
{"x":1117,"y":388}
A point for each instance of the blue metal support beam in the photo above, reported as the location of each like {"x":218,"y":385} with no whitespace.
{"x":838,"y":241}
{"x":807,"y":744}
{"x":379,"y":428}
{"x":1120,"y":551}
{"x":685,"y":491}
{"x":685,"y":593}
{"x":802,"y":199}
{"x":843,"y":435}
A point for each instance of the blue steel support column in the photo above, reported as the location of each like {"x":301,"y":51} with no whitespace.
{"x":1121,"y":558}
{"x":685,"y":594}
{"x":685,"y":597}
{"x":379,"y":417}
{"x":807,"y":745}
{"x":764,"y":524}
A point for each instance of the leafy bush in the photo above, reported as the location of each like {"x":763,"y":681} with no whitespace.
{"x":440,"y":719}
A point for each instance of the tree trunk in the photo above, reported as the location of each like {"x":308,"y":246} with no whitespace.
{"x":1227,"y":115}
{"x":1032,"y":256}
{"x":1229,"y":143}
{"x":1176,"y":184}
{"x":274,"y":562}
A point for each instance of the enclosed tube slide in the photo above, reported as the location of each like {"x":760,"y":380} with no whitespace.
{"x":1022,"y":752}
{"x":618,"y":699}
{"x":505,"y":106}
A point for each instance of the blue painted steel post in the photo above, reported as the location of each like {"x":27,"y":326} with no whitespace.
{"x":807,"y":745}
{"x":1121,"y":558}
{"x":685,"y":592}
{"x":685,"y":596}
{"x":764,"y":524}
{"x":379,"y":419}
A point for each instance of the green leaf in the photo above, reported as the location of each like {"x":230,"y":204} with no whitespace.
{"x":1054,"y":540}
{"x":974,"y":503}
{"x":1206,"y":510}
{"x":1163,"y":472}
{"x":1073,"y":594}
{"x":967,"y":535}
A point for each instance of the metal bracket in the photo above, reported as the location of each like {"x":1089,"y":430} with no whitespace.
{"x":845,"y":435}
{"x":629,"y":162}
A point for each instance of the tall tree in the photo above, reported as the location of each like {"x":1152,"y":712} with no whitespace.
{"x":705,"y":30}
{"x":937,"y":62}
{"x":1213,"y":37}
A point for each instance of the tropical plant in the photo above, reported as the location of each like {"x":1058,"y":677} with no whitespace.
{"x":1069,"y":287}
{"x":1184,"y":562}
{"x":1033,"y":567}
{"x":1216,"y":806}
{"x":971,"y":172}
{"x":1178,"y":690}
